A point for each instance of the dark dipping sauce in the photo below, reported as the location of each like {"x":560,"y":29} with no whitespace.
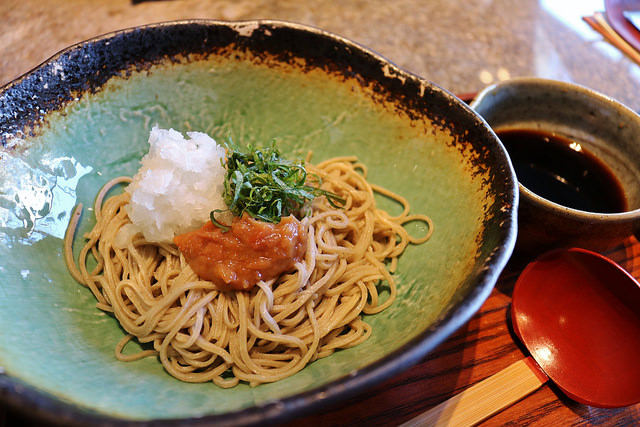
{"x":562,"y":171}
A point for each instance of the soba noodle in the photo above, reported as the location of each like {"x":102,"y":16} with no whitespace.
{"x":272,"y":331}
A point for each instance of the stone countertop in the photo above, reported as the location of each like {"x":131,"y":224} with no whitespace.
{"x":462,"y":46}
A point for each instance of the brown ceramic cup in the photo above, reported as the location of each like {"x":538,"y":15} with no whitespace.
{"x":600,"y":125}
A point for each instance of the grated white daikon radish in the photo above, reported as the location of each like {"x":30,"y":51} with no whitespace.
{"x":179,"y":183}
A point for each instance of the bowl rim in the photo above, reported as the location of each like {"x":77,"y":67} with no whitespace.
{"x":25,"y":398}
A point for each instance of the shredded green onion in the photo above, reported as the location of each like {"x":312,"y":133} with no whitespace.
{"x":266,"y":186}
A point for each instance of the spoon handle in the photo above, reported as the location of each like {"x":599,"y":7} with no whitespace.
{"x":485,"y":398}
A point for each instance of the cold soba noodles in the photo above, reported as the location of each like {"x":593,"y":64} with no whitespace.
{"x":263,"y":326}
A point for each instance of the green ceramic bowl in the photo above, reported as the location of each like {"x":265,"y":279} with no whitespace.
{"x":84,"y":117}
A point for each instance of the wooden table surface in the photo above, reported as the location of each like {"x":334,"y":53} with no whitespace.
{"x":483,"y":347}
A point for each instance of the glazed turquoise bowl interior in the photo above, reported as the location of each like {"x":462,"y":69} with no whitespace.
{"x":84,"y":117}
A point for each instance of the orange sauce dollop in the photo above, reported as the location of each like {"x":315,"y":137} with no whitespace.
{"x":250,"y":251}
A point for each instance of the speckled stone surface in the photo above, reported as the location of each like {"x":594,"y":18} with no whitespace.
{"x":460,"y":45}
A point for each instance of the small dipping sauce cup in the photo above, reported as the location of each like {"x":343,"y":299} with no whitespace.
{"x":576,"y":154}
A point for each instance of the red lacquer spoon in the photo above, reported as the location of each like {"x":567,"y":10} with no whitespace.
{"x":578,"y":314}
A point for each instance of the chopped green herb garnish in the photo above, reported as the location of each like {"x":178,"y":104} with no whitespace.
{"x":267,"y":186}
